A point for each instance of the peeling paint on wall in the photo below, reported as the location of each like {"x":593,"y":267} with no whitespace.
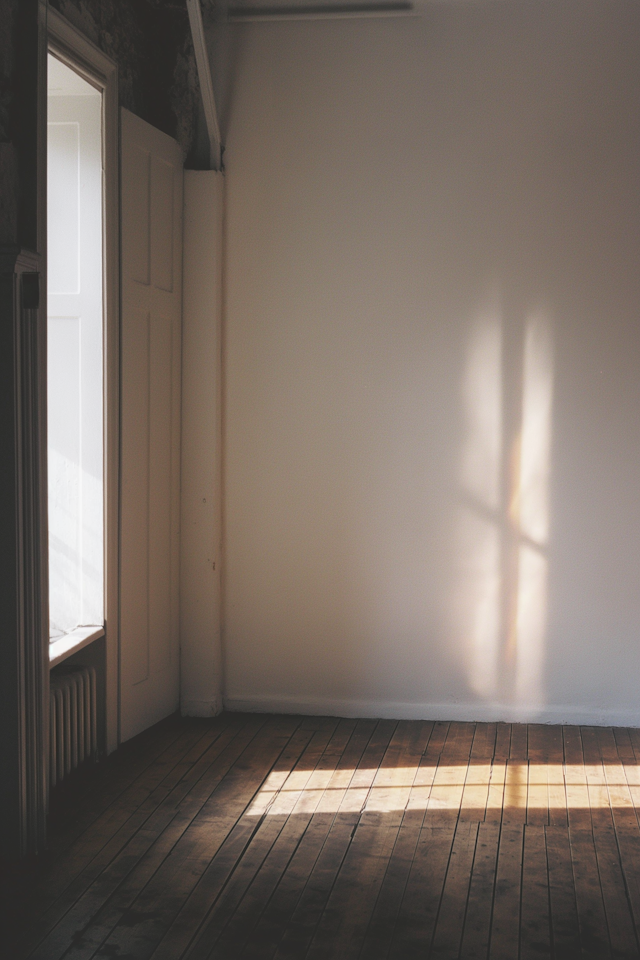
{"x":151,"y":43}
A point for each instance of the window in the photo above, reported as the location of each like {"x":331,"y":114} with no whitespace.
{"x":75,"y":356}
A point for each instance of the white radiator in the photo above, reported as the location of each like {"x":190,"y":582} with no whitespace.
{"x":73,"y":734}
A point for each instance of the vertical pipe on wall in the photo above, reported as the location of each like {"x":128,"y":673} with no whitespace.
{"x":200,"y":651}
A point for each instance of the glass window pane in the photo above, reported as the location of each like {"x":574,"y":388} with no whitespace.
{"x":75,"y":344}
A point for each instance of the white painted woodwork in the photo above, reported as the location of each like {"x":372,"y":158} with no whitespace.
{"x":75,"y":352}
{"x":200,"y":547}
{"x":151,"y":176}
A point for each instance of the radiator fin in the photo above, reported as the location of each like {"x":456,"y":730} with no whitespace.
{"x":73,"y":731}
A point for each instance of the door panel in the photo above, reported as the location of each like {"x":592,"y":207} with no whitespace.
{"x":151,"y":174}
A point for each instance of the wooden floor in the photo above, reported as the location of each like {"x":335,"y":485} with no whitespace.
{"x":296,"y":837}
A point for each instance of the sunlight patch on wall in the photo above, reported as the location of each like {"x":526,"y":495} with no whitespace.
{"x":478,"y":537}
{"x":530,"y":625}
{"x":536,"y":430}
{"x":482,"y":386}
{"x":533,"y":516}
{"x":503,"y":521}
{"x":479,"y":610}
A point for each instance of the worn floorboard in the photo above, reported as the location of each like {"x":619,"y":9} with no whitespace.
{"x":253,"y":837}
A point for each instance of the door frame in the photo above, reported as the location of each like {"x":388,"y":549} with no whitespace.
{"x":74,"y":49}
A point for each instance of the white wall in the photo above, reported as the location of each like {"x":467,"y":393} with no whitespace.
{"x":432,"y":464}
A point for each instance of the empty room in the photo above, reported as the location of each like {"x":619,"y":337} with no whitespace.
{"x":320,"y":416}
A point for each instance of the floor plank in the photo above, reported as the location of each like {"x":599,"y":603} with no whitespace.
{"x":477,"y":924}
{"x":562,"y":895}
{"x":622,"y":937}
{"x":328,"y":788}
{"x":450,"y":922}
{"x":535,"y":925}
{"x":594,"y":934}
{"x":421,"y":901}
{"x":385,"y":913}
{"x":253,"y":837}
{"x":505,"y":924}
{"x":143,"y":923}
{"x":118,"y":843}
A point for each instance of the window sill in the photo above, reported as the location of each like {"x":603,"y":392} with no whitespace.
{"x":63,"y":647}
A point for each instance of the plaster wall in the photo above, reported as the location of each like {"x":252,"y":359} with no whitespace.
{"x":432,"y":346}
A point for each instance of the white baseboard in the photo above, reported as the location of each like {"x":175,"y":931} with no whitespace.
{"x":390,"y":710}
{"x":201,"y":708}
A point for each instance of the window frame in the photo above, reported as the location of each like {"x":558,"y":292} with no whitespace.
{"x":73,"y":49}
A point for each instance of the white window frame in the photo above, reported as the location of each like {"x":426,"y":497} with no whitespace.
{"x":74,"y":49}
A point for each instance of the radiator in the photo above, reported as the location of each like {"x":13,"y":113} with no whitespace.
{"x":73,"y":734}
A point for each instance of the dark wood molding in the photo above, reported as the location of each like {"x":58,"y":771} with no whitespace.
{"x":23,"y":558}
{"x":24,"y":687}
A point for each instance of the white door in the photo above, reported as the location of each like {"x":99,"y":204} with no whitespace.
{"x":151,"y":218}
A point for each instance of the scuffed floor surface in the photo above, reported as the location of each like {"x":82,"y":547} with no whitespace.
{"x":289,"y":837}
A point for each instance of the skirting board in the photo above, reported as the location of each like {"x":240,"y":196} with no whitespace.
{"x":389,"y":710}
{"x":201,"y":708}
